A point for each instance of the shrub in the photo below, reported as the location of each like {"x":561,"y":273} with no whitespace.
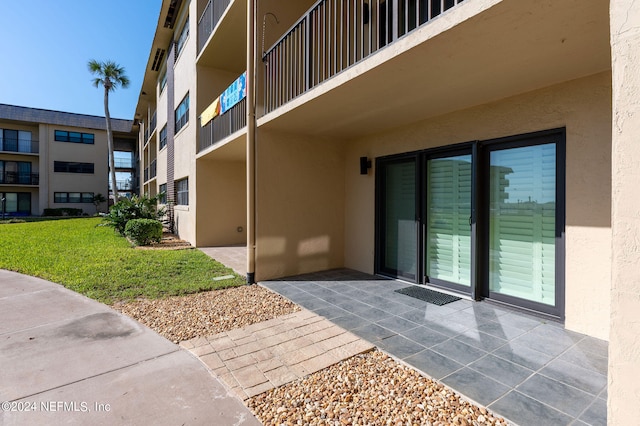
{"x":63,"y":211}
{"x":132,"y":208}
{"x":143,"y":231}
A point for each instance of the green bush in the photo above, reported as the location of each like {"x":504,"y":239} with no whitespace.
{"x":132,"y":208}
{"x":143,"y":231}
{"x":63,"y":211}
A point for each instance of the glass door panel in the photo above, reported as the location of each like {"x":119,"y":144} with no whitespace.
{"x":522,"y":224}
{"x":448,"y":227}
{"x":398,"y":212}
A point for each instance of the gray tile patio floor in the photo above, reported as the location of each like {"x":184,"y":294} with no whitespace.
{"x":529,"y":370}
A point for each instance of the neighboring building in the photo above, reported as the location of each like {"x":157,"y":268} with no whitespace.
{"x":471,"y":146}
{"x":53,"y":159}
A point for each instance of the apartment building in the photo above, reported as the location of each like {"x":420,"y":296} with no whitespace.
{"x":485,"y":147}
{"x":53,"y":159}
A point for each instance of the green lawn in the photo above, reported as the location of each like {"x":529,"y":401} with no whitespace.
{"x":98,"y":263}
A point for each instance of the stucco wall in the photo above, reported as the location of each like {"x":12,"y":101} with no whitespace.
{"x":624,"y":346}
{"x":300,"y":205}
{"x":222,"y":203}
{"x":583,"y":107}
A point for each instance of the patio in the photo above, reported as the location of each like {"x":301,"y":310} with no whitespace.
{"x":529,"y":370}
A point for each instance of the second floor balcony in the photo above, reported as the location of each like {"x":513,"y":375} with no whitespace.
{"x":26,"y":146}
{"x":223,"y":125}
{"x":19,"y":178}
{"x":334,"y":35}
{"x":210,"y":17}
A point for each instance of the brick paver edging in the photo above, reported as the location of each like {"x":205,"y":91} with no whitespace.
{"x":263,"y":356}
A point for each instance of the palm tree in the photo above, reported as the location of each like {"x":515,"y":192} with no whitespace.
{"x":110,"y":75}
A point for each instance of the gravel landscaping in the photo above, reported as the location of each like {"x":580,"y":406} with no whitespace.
{"x":181,"y":318}
{"x":368,"y":389}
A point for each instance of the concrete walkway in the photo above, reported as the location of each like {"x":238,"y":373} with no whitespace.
{"x":234,"y":257}
{"x":66,"y":359}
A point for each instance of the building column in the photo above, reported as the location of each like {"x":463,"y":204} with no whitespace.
{"x":43,"y":168}
{"x":624,"y":344}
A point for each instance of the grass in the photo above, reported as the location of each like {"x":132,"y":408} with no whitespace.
{"x":97,"y":262}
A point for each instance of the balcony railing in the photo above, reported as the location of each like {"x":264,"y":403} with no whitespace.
{"x":209,"y":19}
{"x":336,"y":34}
{"x":224,"y":125}
{"x":26,"y":146}
{"x":19,"y":178}
{"x":152,"y":169}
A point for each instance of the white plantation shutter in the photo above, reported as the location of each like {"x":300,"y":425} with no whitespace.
{"x":448,"y":212}
{"x":522,"y":222}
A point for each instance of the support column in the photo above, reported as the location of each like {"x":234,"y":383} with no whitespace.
{"x":251,"y":144}
{"x":624,"y":344}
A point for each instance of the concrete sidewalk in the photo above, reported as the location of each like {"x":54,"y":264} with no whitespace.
{"x":66,"y":359}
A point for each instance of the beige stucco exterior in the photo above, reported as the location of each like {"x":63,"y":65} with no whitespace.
{"x":42,"y":125}
{"x":624,"y":347}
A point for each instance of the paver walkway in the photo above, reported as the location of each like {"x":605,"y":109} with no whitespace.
{"x":262,"y":356}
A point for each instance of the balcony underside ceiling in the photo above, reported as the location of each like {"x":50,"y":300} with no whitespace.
{"x":233,"y":148}
{"x":512,"y":47}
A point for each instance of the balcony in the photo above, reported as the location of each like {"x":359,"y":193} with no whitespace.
{"x":153,"y":169}
{"x":334,"y":35}
{"x":223,"y":125}
{"x":19,"y":178}
{"x":209,"y":19}
{"x":25,"y":146}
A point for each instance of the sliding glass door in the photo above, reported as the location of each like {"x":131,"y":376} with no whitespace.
{"x":522,"y":223}
{"x":483,"y":218}
{"x":448,"y":222}
{"x":398,"y":246}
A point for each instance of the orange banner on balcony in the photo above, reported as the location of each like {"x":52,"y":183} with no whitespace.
{"x":210,"y":112}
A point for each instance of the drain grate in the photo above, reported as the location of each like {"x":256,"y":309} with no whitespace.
{"x":427,"y":295}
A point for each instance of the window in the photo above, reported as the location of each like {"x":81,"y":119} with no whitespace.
{"x":73,"y":197}
{"x":163,"y":192}
{"x":163,"y":137}
{"x":182,"y":192}
{"x":75,"y":137}
{"x":16,"y":141}
{"x":182,"y":113}
{"x":16,"y":202}
{"x":163,"y":81}
{"x":183,"y":37}
{"x":72,"y":167}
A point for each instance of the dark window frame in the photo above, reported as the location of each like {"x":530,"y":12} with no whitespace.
{"x":163,"y":189}
{"x":65,"y":197}
{"x":19,"y":195}
{"x":181,"y":114}
{"x":163,"y":137}
{"x":73,"y":167}
{"x":78,"y":137}
{"x":182,"y":192}
{"x":182,"y":38}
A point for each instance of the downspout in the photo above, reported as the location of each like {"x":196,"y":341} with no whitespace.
{"x":251,"y":144}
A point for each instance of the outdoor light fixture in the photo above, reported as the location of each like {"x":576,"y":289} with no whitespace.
{"x":365,"y":165}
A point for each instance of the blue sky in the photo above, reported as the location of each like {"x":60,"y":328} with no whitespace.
{"x":46,"y":45}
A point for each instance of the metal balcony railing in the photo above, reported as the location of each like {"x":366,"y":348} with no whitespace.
{"x":27,"y":146}
{"x":336,"y":34}
{"x":209,"y":19}
{"x":223,"y":125}
{"x":152,"y":169}
{"x":19,"y":178}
